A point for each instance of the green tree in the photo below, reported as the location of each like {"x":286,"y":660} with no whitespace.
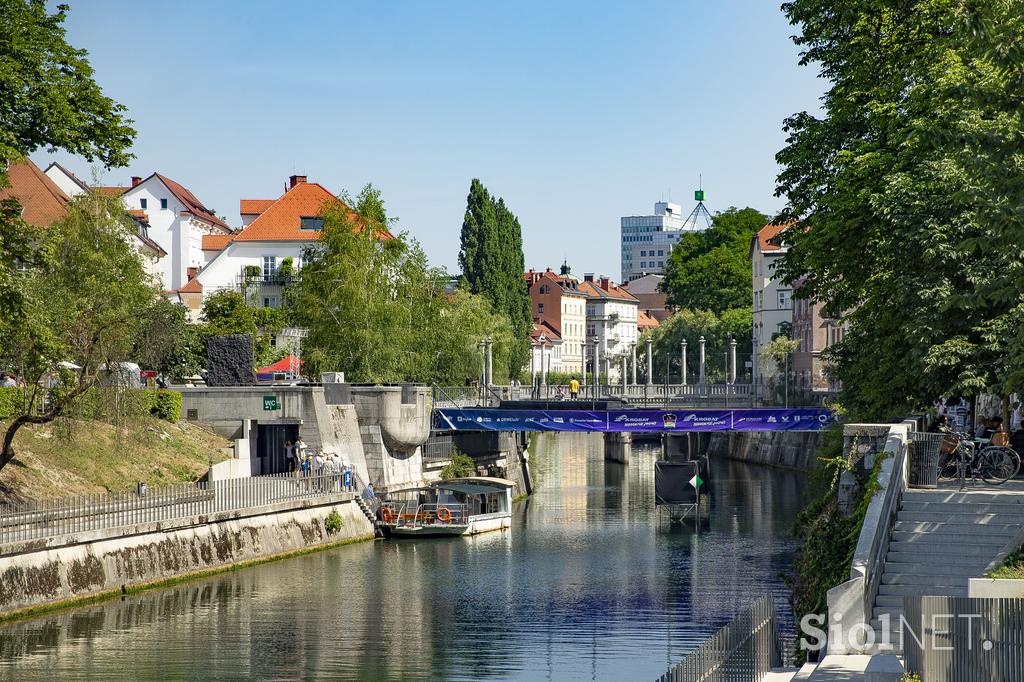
{"x":689,"y":325}
{"x":168,"y":342}
{"x":492,"y":262}
{"x":711,"y":270}
{"x":88,"y":298}
{"x":908,"y":197}
{"x":48,"y":97}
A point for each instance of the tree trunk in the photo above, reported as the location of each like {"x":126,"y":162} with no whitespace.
{"x":7,"y":454}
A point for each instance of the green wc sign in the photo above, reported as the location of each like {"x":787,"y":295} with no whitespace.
{"x":270,"y":402}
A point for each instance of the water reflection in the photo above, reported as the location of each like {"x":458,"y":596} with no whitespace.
{"x":591,"y":583}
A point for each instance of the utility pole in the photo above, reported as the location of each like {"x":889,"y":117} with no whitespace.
{"x":683,"y":360}
{"x":650,"y":362}
{"x":702,"y":361}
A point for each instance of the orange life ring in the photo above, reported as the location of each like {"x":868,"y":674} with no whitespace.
{"x":387,"y":515}
{"x":444,"y":515}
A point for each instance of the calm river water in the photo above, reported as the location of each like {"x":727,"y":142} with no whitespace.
{"x":591,"y":583}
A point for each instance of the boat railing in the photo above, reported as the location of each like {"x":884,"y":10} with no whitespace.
{"x":411,"y":515}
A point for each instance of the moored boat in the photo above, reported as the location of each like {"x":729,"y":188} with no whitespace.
{"x":461,"y":506}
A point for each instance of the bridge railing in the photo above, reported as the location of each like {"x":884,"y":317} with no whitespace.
{"x":745,"y":649}
{"x":475,"y":396}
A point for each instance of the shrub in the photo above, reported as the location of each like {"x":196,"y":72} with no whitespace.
{"x":333,"y":522}
{"x":165,"y":405}
{"x":460,"y":466}
{"x":10,"y":402}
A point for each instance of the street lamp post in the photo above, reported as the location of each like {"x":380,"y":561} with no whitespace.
{"x":650,"y":361}
{"x":624,"y":378}
{"x":683,"y":359}
{"x":490,"y":364}
{"x":701,"y":357}
{"x":543,"y":361}
{"x":732,"y":361}
{"x":597,"y":364}
{"x":632,"y":350}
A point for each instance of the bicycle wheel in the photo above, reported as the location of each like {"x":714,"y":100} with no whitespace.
{"x":949,"y":468}
{"x":998,"y":464}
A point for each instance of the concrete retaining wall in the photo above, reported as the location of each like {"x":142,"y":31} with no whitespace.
{"x":60,"y":569}
{"x":789,"y":449}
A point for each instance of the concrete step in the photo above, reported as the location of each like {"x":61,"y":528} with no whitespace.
{"x":916,"y":553}
{"x":925,"y":580}
{"x":931,"y":542}
{"x":989,"y":518}
{"x":1008,"y":496}
{"x":1014,"y":508}
{"x":953,"y":540}
{"x":805,"y":672}
{"x":780,"y":675}
{"x":915,"y":590}
{"x":931,"y":566}
{"x":992,"y":526}
{"x":894,"y":613}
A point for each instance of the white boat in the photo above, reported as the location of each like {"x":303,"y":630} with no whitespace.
{"x":460,"y":506}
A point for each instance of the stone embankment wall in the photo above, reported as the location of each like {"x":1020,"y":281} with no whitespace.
{"x":69,"y":568}
{"x":788,"y":449}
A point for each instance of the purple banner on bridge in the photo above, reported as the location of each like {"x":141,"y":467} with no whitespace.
{"x":635,"y":421}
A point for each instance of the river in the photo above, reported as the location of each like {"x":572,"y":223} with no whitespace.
{"x":591,"y":583}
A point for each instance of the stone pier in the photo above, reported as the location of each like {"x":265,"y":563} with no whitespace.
{"x":617,"y":447}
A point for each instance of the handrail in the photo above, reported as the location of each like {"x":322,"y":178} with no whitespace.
{"x":747,"y":648}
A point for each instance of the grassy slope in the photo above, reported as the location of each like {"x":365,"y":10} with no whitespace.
{"x":1013,"y":567}
{"x":70,"y":458}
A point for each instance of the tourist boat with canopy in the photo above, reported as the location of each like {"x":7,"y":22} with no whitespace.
{"x":460,"y":506}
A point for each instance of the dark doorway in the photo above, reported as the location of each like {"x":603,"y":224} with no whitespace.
{"x":270,"y":440}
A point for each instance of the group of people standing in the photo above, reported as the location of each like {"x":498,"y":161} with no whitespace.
{"x":300,"y":460}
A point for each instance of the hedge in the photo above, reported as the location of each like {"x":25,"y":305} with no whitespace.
{"x":10,"y":402}
{"x":104,"y":404}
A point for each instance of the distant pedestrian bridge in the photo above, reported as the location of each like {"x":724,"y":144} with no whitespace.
{"x":638,"y":395}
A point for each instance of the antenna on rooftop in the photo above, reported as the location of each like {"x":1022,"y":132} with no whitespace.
{"x":700,"y":210}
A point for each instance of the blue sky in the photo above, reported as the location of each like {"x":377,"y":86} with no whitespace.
{"x":575,"y":112}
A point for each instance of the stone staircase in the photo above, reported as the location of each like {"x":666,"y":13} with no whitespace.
{"x":942,"y":538}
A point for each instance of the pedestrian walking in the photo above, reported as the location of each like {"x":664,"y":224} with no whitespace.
{"x":300,"y":448}
{"x":574,"y":389}
{"x":289,"y":456}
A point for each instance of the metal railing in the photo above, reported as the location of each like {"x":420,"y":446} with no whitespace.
{"x":473,"y":396}
{"x":438,"y":448}
{"x":35,"y":520}
{"x":745,"y":649}
{"x":412,"y":515}
{"x":959,"y":639}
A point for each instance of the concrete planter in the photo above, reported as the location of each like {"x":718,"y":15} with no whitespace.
{"x":995,"y":588}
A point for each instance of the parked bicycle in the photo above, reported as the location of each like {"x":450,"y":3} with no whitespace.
{"x":961,"y":456}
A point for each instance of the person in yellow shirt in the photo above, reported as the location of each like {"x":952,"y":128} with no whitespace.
{"x":574,"y":389}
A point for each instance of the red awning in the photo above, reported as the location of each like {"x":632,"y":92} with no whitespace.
{"x":283,"y":365}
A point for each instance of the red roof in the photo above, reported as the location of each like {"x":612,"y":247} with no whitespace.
{"x":216,"y":242}
{"x":42,"y":201}
{"x":766,"y":237}
{"x":544,"y":327}
{"x":645,"y":320}
{"x":192,"y":204}
{"x":282,"y":365}
{"x":604,"y":288}
{"x":254,"y":206}
{"x":281,"y":221}
{"x":194,"y":286}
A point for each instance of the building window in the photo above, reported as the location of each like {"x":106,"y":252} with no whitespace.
{"x":785,"y":300}
{"x":311,"y":223}
{"x":270,"y":301}
{"x":269,"y":266}
{"x":142,"y":204}
{"x":540,"y":308}
{"x":643,"y":253}
{"x":163,"y":204}
{"x":661,"y":252}
{"x":661,"y":264}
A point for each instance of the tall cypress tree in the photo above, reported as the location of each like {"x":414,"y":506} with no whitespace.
{"x":492,"y":262}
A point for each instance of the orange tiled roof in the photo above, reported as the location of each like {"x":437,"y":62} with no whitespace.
{"x":281,"y":220}
{"x":544,"y":327}
{"x":593,"y":289}
{"x":766,"y":237}
{"x":216,"y":242}
{"x":192,"y":204}
{"x":645,"y":321}
{"x":42,"y":202}
{"x":254,"y":206}
{"x":194,"y":286}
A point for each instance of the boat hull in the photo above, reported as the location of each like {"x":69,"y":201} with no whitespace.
{"x":486,"y":524}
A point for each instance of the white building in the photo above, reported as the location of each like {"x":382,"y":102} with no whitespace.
{"x":545,"y":352}
{"x":772,"y":299}
{"x":647,"y":240}
{"x":283,"y":229}
{"x":176,"y":220}
{"x":612,"y":319}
